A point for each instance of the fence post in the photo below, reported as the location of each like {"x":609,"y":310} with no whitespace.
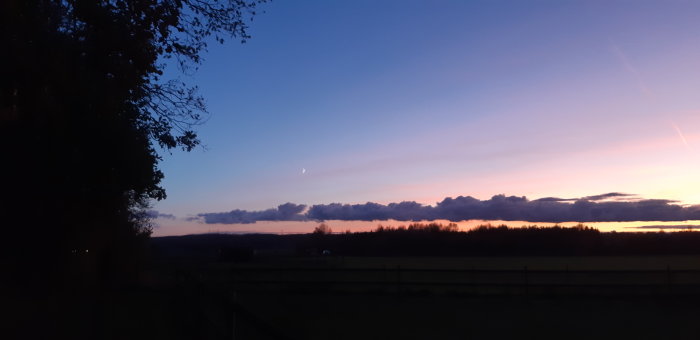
{"x":280,"y":279}
{"x":235,"y":306}
{"x":526,"y":281}
{"x":668,"y":279}
{"x":398,"y":279}
{"x":385,"y":278}
{"x":472,"y":281}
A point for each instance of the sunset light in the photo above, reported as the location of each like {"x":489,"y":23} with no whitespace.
{"x":479,"y":101}
{"x":350,"y":169}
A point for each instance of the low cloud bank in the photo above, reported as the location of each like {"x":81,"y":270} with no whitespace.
{"x":610,"y":207}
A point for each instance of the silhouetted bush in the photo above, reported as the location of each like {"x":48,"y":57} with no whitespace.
{"x":323,"y":229}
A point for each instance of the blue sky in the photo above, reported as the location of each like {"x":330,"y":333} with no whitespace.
{"x":387,"y":101}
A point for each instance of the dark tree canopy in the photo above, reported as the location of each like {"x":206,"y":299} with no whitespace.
{"x":83,"y":106}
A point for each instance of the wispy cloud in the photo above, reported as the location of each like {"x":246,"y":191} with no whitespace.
{"x":601,"y":197}
{"x":682,"y":136}
{"x":629,"y":67}
{"x":157,"y":214}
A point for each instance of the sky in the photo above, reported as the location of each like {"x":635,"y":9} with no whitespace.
{"x":388,"y":101}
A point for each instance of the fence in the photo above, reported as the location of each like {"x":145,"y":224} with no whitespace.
{"x":461,"y":281}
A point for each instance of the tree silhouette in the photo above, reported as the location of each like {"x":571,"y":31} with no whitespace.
{"x":322,"y":229}
{"x":83,"y":106}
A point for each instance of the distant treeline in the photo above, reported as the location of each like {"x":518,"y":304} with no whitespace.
{"x":434,"y":239}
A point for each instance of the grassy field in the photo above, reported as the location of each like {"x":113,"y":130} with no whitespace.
{"x":310,"y":298}
{"x":399,"y":298}
{"x":333,"y":316}
{"x":427,"y":298}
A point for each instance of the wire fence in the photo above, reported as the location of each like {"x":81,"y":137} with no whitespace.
{"x":461,"y":281}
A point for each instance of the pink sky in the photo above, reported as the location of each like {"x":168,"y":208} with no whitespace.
{"x":539,"y":100}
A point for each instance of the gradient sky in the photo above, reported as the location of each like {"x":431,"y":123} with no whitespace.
{"x":387,"y":101}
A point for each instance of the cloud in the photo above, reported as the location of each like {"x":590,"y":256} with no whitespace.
{"x":555,"y":199}
{"x":601,"y":197}
{"x":156,"y":214}
{"x":284,"y":212}
{"x":405,"y":211}
{"x":682,"y":137}
{"x":625,"y":61}
{"x":681,"y":226}
{"x":610,"y":207}
{"x":610,"y":195}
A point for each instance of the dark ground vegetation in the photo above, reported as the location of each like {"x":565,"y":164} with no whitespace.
{"x":440,"y":240}
{"x":85,"y":106}
{"x":438,"y":283}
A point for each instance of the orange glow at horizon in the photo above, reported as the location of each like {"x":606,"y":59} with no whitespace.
{"x":300,"y":227}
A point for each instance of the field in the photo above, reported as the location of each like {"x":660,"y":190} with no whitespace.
{"x":327,"y":297}
{"x":431,"y":298}
{"x":317,"y":316}
{"x":254,"y":287}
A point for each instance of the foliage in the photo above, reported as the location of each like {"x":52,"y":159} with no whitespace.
{"x":484,"y":241}
{"x":322,"y":229}
{"x":420,"y":227}
{"x":83,"y":105}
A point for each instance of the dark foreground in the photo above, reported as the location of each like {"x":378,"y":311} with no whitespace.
{"x":216,"y":314}
{"x":195,"y":292}
{"x":330,"y":298}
